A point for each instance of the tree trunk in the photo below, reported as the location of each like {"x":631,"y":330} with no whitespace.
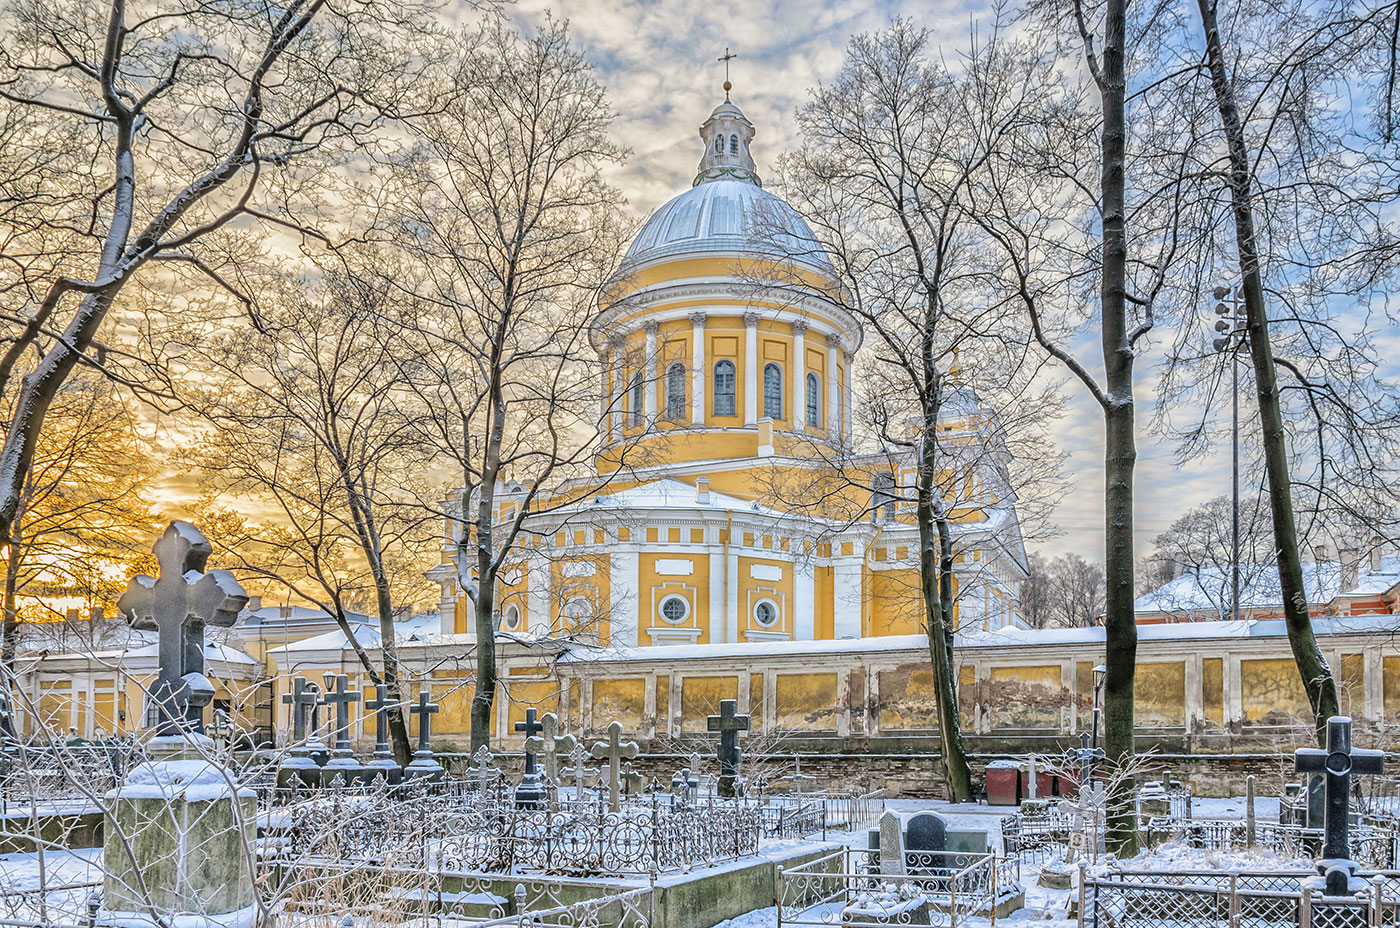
{"x":398,"y":727}
{"x":1312,"y":666}
{"x":483,"y":700}
{"x":935,"y":554}
{"x":1120,"y":452}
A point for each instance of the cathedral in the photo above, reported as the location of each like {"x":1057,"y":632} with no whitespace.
{"x":729,"y":399}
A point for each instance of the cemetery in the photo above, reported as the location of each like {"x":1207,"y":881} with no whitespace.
{"x":183,"y":831}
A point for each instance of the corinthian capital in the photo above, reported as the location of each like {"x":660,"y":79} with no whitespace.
{"x":698,"y":320}
{"x":833,"y":340}
{"x":751,"y":319}
{"x":800,"y":326}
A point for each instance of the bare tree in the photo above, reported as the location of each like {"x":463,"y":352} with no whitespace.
{"x":314,"y":419}
{"x":1067,"y":592}
{"x":141,"y":136}
{"x":509,"y":236}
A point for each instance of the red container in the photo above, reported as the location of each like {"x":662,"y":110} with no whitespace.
{"x":1045,"y":782}
{"x":1003,"y":783}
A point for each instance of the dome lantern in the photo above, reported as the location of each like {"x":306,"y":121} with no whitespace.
{"x":727,"y":134}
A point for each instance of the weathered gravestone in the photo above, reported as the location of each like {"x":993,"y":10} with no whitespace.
{"x":182,"y":831}
{"x":613,"y":751}
{"x":926,"y":841}
{"x":891,"y":844}
{"x":1338,"y":761}
{"x":553,"y":746}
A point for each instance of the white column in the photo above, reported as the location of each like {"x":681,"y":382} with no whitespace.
{"x":649,"y":373}
{"x":718,"y":597}
{"x":848,"y":394}
{"x":697,"y":369}
{"x":623,"y":614}
{"x":751,"y":385}
{"x":799,"y":375}
{"x":846,"y":587}
{"x":804,"y":595}
{"x":604,"y":393}
{"x":833,"y":386}
{"x":619,"y":384}
{"x":539,"y":591}
{"x":731,"y":595}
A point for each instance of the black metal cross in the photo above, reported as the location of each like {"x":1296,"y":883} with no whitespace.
{"x":530,"y":728}
{"x":728,"y":723}
{"x":379,"y":706}
{"x":1338,"y":761}
{"x":423,"y":710}
{"x":342,"y":697}
{"x":177,"y":605}
{"x":301,"y":700}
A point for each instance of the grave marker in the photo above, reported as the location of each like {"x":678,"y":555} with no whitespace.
{"x":1337,"y":762}
{"x":299,"y":768}
{"x":728,"y":723}
{"x":926,"y":841}
{"x":891,"y":844}
{"x":342,"y":763}
{"x":383,"y":766}
{"x":424,"y":765}
{"x":613,"y":751}
{"x":530,"y":793}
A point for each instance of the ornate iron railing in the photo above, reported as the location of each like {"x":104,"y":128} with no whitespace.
{"x":937,"y":888}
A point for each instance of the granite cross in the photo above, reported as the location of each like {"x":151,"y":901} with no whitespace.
{"x":1338,"y":761}
{"x":614,"y":750}
{"x":301,"y":700}
{"x":529,"y":794}
{"x":177,"y":605}
{"x":530,"y":728}
{"x":554,"y":745}
{"x":728,"y":723}
{"x":424,"y":710}
{"x":341,"y":697}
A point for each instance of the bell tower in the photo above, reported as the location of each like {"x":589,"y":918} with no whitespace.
{"x":727,"y":134}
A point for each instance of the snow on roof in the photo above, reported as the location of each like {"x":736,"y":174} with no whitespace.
{"x":295,"y":615}
{"x":418,"y":629}
{"x":1006,"y":637}
{"x":1204,"y":589}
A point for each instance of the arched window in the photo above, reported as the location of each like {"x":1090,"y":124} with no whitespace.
{"x":675,"y":391}
{"x":724,"y":388}
{"x":719,"y":144}
{"x":882,"y":498}
{"x":734,"y":144}
{"x":773,"y":391}
{"x":814,"y":400}
{"x":638,"y":400}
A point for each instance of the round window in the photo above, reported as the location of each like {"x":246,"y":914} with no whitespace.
{"x":674,"y":610}
{"x":512,"y":617}
{"x":765,"y":613}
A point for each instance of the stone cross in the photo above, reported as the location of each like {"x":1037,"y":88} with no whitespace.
{"x":728,"y":723}
{"x":531,"y":729}
{"x":552,"y":745}
{"x":1338,"y":761}
{"x":342,"y":697}
{"x":613,"y":751}
{"x":632,"y":781}
{"x":383,"y":764}
{"x":301,"y":700}
{"x":424,"y":710}
{"x":578,"y":771}
{"x":177,"y":605}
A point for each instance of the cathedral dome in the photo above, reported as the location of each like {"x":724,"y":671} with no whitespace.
{"x":727,"y":215}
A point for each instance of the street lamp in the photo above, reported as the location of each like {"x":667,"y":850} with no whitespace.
{"x":1099,"y":673}
{"x":1231,"y":326}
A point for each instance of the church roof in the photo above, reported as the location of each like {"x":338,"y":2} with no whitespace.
{"x":727,"y":216}
{"x":1204,"y":589}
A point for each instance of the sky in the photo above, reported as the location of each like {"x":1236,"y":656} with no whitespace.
{"x":659,"y":63}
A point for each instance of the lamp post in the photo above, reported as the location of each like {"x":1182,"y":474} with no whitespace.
{"x":1100,"y":672}
{"x":1231,"y":326}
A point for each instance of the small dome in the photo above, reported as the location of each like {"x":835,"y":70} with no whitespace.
{"x":727,"y":216}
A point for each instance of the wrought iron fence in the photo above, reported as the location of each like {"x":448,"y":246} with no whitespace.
{"x":48,"y":773}
{"x":937,"y":888}
{"x":70,"y":903}
{"x":486,"y":831}
{"x":1230,"y":899}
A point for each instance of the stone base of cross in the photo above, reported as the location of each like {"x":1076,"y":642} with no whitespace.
{"x":1338,"y":761}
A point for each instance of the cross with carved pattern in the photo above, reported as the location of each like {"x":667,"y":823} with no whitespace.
{"x":341,"y":697}
{"x":554,"y":744}
{"x":301,"y":700}
{"x":613,"y":751}
{"x":177,"y":605}
{"x":424,"y":710}
{"x":578,"y":771}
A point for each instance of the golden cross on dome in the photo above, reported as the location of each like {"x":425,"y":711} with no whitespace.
{"x":727,"y":57}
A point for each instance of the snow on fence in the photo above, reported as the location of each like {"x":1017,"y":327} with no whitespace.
{"x":51,"y":904}
{"x":938,"y":888}
{"x":1229,"y":899}
{"x":45,"y":773}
